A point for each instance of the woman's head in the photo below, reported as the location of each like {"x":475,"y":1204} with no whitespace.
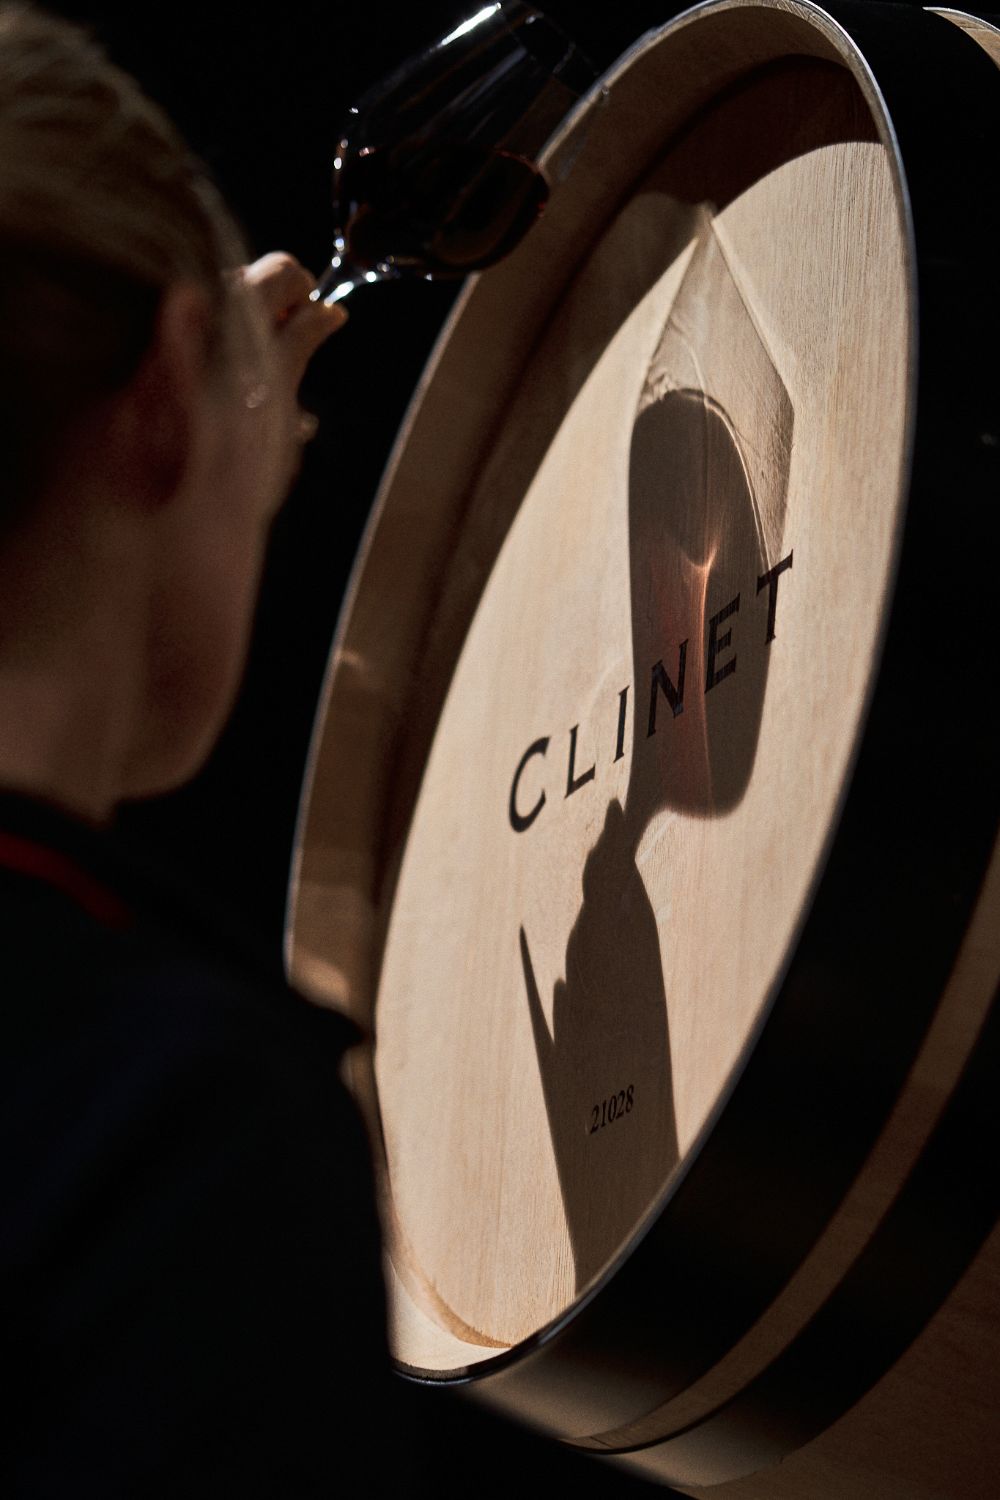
{"x":102,"y":207}
{"x":147,"y":408}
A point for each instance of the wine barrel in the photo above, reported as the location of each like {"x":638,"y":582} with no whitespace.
{"x":650,"y":822}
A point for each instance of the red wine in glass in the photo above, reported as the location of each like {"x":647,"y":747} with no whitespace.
{"x":435,"y":172}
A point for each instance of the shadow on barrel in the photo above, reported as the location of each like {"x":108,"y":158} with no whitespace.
{"x":707,"y":485}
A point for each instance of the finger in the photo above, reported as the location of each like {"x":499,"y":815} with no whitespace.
{"x":281,"y":283}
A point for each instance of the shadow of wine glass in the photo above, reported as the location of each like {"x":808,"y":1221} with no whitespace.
{"x":698,"y":547}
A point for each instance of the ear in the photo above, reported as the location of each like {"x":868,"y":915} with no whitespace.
{"x":159,"y":419}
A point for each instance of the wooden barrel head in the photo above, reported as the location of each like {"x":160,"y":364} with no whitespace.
{"x":603,"y":676}
{"x":642,"y":748}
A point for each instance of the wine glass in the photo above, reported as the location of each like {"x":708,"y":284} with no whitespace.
{"x":434,"y":173}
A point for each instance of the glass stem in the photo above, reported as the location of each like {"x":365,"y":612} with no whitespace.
{"x":341,"y":278}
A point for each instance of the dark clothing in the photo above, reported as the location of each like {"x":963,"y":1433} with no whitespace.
{"x":189,"y":1263}
{"x":190,"y":1271}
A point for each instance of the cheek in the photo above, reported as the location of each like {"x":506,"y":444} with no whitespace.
{"x":203,"y":615}
{"x":197,"y":659}
{"x":211,"y":633}
{"x":260,"y":458}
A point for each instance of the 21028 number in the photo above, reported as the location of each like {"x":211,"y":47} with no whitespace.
{"x":612,"y":1108}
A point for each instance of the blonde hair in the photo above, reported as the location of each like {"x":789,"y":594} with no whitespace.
{"x":102,"y":206}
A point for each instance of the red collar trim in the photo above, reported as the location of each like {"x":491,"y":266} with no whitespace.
{"x":38,"y":862}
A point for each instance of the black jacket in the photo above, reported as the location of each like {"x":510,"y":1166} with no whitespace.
{"x":189,"y":1261}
